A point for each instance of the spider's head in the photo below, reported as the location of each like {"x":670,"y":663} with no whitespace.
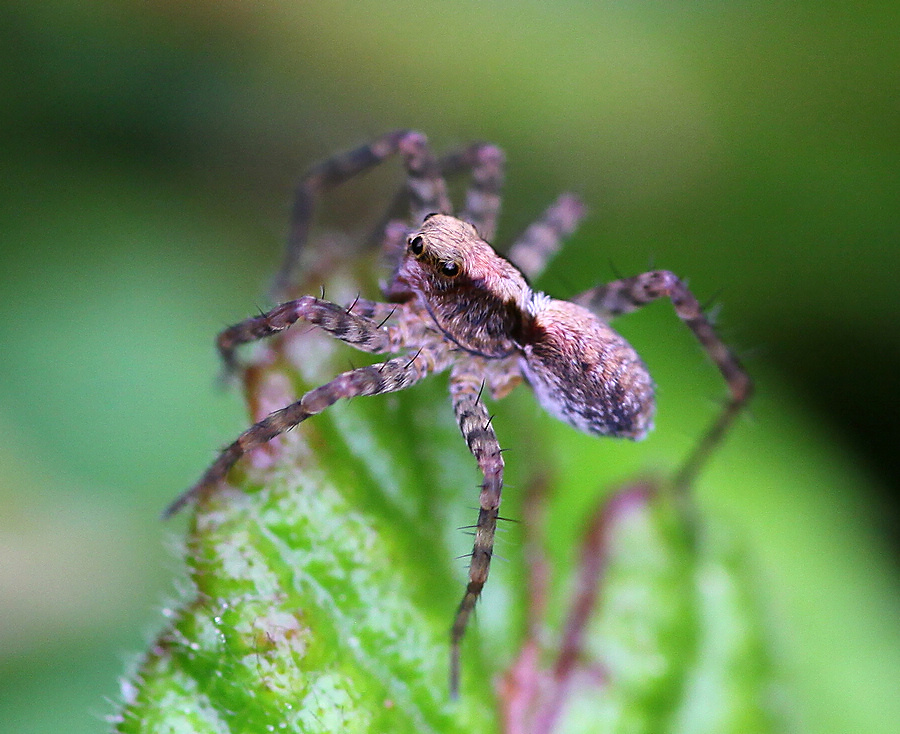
{"x":447,"y":254}
{"x":475,"y":296}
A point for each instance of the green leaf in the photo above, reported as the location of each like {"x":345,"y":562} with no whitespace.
{"x":732,"y":684}
{"x":644,"y":633}
{"x":321,"y":597}
{"x":323,"y":587}
{"x":672,"y":641}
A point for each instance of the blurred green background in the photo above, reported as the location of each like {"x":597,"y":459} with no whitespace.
{"x":149,"y":152}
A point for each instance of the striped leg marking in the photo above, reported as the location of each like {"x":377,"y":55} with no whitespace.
{"x":356,"y":330}
{"x":395,"y":374}
{"x":542,"y":240}
{"x":427,"y":190}
{"x":475,"y":424}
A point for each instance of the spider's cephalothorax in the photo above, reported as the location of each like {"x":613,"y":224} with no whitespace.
{"x":453,"y":304}
{"x":581,"y":370}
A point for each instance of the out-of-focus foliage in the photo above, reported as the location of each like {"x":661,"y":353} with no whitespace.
{"x":149,"y":152}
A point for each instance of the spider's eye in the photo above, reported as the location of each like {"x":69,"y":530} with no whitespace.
{"x":450,"y":269}
{"x":417,"y":245}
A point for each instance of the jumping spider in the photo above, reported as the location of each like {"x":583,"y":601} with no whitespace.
{"x":453,"y":303}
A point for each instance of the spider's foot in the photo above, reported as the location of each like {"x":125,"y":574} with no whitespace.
{"x":179,"y":502}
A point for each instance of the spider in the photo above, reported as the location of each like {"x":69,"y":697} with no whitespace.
{"x":454,"y":304}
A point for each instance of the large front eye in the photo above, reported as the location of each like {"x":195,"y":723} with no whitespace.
{"x":450,"y":269}
{"x":417,"y":245}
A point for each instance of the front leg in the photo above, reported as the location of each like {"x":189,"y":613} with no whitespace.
{"x":359,"y":331}
{"x":425,"y":186}
{"x":475,"y":424}
{"x":395,"y":374}
{"x":629,"y":294}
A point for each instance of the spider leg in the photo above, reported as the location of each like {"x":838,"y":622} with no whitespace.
{"x":482,"y":207}
{"x":629,"y":294}
{"x":359,"y":331}
{"x":424,"y":180}
{"x":485,"y":162}
{"x":426,"y":187}
{"x":542,"y":240}
{"x":475,"y":424}
{"x":390,"y":376}
{"x":393,"y":245}
{"x":373,"y":310}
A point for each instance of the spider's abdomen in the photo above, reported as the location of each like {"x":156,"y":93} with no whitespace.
{"x":584,"y":373}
